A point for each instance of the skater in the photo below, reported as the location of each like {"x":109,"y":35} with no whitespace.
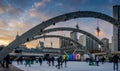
{"x":27,"y":62}
{"x":49,"y":61}
{"x":58,"y":61}
{"x":97,"y":60}
{"x":115,"y":60}
{"x":40,"y":60}
{"x":61,"y":61}
{"x":53,"y":60}
{"x":65,"y":60}
{"x":5,"y":62}
{"x":102,"y":59}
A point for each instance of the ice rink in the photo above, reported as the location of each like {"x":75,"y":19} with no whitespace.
{"x":71,"y":66}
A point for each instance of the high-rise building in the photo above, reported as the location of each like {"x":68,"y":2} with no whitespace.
{"x":110,"y":46}
{"x":106,"y":42}
{"x":64,"y":43}
{"x":89,"y":43}
{"x":116,"y":30}
{"x":73,"y":35}
{"x":82,"y":40}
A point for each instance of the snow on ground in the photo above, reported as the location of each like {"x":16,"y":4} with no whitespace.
{"x":71,"y":66}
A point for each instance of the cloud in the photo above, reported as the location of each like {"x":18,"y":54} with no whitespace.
{"x":8,"y":30}
{"x":101,"y":34}
{"x":5,"y":37}
{"x":40,"y":4}
{"x":60,"y":4}
{"x":2,"y":10}
{"x":8,"y":8}
{"x":73,"y":2}
{"x":3,"y":24}
{"x":19,"y":26}
{"x":36,"y":13}
{"x":3,"y":42}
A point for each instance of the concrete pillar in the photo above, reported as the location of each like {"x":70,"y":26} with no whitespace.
{"x":116,"y":30}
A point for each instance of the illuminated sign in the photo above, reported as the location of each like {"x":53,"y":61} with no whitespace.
{"x":71,"y":57}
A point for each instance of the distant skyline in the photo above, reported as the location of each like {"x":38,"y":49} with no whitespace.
{"x":22,"y":15}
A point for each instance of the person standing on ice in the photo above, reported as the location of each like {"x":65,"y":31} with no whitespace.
{"x":49,"y":61}
{"x":52,"y":60}
{"x":97,"y":60}
{"x":40,"y":60}
{"x":27,"y":61}
{"x":115,"y":60}
{"x":102,"y":59}
{"x":58,"y":61}
{"x":65,"y":60}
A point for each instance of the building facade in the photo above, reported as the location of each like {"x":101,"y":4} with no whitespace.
{"x":106,"y":42}
{"x":88,"y":42}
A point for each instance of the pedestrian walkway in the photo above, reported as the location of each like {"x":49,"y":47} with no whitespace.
{"x":11,"y":68}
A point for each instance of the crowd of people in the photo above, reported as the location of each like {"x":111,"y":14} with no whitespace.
{"x":5,"y":62}
{"x":101,"y":59}
{"x":28,"y":60}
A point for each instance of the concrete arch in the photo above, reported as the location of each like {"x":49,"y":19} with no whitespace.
{"x":75,"y":30}
{"x":32,"y":32}
{"x":67,"y":38}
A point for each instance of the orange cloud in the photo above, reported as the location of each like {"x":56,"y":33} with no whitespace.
{"x":15,"y":26}
{"x":4,"y":42}
{"x":8,"y":30}
{"x":101,"y":34}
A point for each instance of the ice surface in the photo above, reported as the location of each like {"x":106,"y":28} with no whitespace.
{"x":71,"y":66}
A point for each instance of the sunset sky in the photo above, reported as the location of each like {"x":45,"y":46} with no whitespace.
{"x":21,"y":15}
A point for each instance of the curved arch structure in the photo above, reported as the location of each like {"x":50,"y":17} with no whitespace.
{"x":67,"y":38}
{"x":75,"y":30}
{"x":35,"y":30}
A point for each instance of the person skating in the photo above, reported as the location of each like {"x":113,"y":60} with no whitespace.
{"x":53,"y":60}
{"x":115,"y":60}
{"x":103,"y":60}
{"x":49,"y":61}
{"x":61,"y":61}
{"x":97,"y":60}
{"x":40,"y":60}
{"x":65,"y":60}
{"x":6,"y":61}
{"x":27,"y":62}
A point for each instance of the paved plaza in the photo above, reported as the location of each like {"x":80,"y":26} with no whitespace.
{"x":71,"y":66}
